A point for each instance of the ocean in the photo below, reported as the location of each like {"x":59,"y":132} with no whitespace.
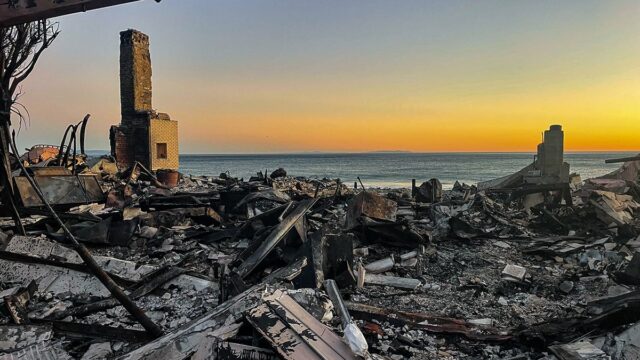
{"x":393,"y":169}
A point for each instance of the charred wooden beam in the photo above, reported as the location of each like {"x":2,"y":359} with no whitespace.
{"x":624,"y":159}
{"x":274,"y":238}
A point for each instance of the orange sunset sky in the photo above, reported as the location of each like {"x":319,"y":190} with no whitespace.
{"x":295,"y":76}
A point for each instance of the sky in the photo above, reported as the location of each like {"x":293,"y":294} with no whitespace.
{"x":257,"y":76}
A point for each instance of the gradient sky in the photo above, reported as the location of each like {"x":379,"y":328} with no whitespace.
{"x":334,"y":75}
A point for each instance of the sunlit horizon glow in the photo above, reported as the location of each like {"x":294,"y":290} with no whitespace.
{"x":334,"y":76}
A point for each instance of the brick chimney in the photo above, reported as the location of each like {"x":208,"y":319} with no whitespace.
{"x":135,"y":74}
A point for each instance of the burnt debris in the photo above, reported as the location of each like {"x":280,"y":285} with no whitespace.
{"x":543,"y":266}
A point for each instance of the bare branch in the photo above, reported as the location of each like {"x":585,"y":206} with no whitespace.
{"x":22,"y":46}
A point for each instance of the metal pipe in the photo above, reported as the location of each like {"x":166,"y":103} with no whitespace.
{"x":336,"y":299}
{"x":83,"y":128}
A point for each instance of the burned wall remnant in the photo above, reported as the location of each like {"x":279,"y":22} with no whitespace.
{"x":143,"y":135}
{"x":548,"y":166}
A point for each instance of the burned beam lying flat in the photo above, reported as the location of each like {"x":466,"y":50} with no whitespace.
{"x":23,"y":11}
{"x":426,"y":322}
{"x":624,"y":159}
{"x":95,"y":331}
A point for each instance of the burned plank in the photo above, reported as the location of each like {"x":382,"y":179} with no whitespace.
{"x":274,"y":238}
{"x":96,"y":331}
{"x":293,"y":332}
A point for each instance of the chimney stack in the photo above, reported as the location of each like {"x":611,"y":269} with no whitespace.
{"x":135,"y":73}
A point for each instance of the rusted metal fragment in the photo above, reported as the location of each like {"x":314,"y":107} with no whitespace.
{"x":293,"y":332}
{"x":40,"y":153}
{"x":372,"y":206}
{"x":60,"y":190}
{"x":426,"y":322}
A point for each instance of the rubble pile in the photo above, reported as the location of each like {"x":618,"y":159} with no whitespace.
{"x":289,"y":267}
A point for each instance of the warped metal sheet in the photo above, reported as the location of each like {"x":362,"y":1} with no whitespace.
{"x":60,"y":190}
